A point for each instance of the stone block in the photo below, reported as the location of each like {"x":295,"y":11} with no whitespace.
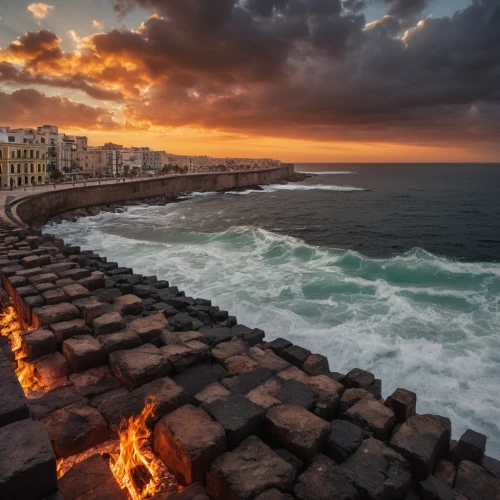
{"x":93,"y":282}
{"x":294,"y":373}
{"x":13,"y":402}
{"x":188,"y":336}
{"x":403,"y":403}
{"x":376,"y":389}
{"x":352,"y":396}
{"x":34,"y":301}
{"x":292,"y":459}
{"x":84,"y":352}
{"x":91,"y":479}
{"x":267,"y":359}
{"x":471,"y":446}
{"x":328,"y":394}
{"x":188,"y":440}
{"x":69,"y":329}
{"x":297,"y":393}
{"x":274,"y":494}
{"x":344,"y":439}
{"x":47,"y":315}
{"x":323,"y":480}
{"x":225,"y":350}
{"x":216,"y":335}
{"x":434,"y":489}
{"x":55,"y":296}
{"x":75,"y":274}
{"x":43,"y":278}
{"x":240,"y":364}
{"x":195,"y":491}
{"x":75,"y":292}
{"x":245,"y":382}
{"x":316,"y":364}
{"x":358,"y":378}
{"x":64,"y":282}
{"x":421,"y":439}
{"x":476,"y":483}
{"x":211,"y":393}
{"x":139,"y":366}
{"x":109,"y":323}
{"x":75,"y":428}
{"x":445,"y":471}
{"x":106,"y":294}
{"x":91,"y":308}
{"x":182,"y":357}
{"x":373,"y":416}
{"x":265,"y":395}
{"x":297,"y":429}
{"x":37,"y":343}
{"x":27,"y":291}
{"x":196,"y":378}
{"x":492,"y":466}
{"x":120,"y":341}
{"x":248,"y":471}
{"x":128,"y":305}
{"x":150,"y":327}
{"x":295,"y":355}
{"x":237,"y":415}
{"x":27,"y":462}
{"x":94,"y":381}
{"x":378,"y":471}
{"x":52,"y":367}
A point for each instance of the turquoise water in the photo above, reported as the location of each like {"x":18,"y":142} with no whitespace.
{"x":418,"y":321}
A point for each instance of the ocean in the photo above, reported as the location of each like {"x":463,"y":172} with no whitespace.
{"x":391,"y":268}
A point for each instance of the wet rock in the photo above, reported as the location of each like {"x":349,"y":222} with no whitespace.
{"x":492,"y":466}
{"x":378,"y":470}
{"x":373,"y":416}
{"x":47,"y":315}
{"x":182,"y":357}
{"x":248,"y":471}
{"x":75,"y":428}
{"x":434,"y":489}
{"x":252,"y":336}
{"x":470,"y":447}
{"x":344,"y":439}
{"x":240,"y":364}
{"x":245,"y":382}
{"x":295,"y":355}
{"x":403,"y":403}
{"x":188,"y":440}
{"x":352,"y":396}
{"x":91,"y":479}
{"x":94,"y":381}
{"x":36,"y":343}
{"x":445,"y":471}
{"x":267,"y":359}
{"x":149,"y":328}
{"x":68,"y":329}
{"x":328,"y":394}
{"x":358,"y":378}
{"x":323,"y":480}
{"x":421,"y":439}
{"x":128,"y":305}
{"x":27,"y":462}
{"x":109,"y":323}
{"x":196,"y":378}
{"x":297,"y":429}
{"x":84,"y":352}
{"x":215,"y":335}
{"x":297,"y":393}
{"x":376,"y":389}
{"x":238,"y":416}
{"x":316,"y":364}
{"x":120,"y":341}
{"x":476,"y":483}
{"x":139,"y":366}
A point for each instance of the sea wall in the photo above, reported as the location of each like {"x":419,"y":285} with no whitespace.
{"x":51,"y":203}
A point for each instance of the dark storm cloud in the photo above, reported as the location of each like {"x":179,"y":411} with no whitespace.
{"x":405,"y":9}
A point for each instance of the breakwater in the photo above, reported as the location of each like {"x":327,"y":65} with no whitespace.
{"x":234,"y":415}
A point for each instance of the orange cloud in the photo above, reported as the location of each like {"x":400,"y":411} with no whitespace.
{"x":40,"y":10}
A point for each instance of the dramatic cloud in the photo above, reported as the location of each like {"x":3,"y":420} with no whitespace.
{"x":40,"y":10}
{"x":98,"y":24}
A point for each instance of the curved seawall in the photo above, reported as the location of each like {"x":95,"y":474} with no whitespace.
{"x":59,"y":200}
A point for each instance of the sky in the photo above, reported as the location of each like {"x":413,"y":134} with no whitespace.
{"x":296,"y":80}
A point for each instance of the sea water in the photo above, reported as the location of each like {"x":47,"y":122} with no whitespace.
{"x":391,"y":268}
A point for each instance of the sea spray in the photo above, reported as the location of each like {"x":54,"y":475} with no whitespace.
{"x":417,"y":321}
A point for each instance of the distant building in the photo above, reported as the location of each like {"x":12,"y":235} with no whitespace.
{"x":22,"y":164}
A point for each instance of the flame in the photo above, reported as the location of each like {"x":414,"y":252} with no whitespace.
{"x":135,"y":468}
{"x":11,"y":328}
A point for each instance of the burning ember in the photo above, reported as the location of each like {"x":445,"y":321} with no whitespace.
{"x":136,"y":468}
{"x":11,"y":328}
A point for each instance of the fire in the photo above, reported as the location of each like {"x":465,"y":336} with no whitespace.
{"x":136,"y":468}
{"x":11,"y":328}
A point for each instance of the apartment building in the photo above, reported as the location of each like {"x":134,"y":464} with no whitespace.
{"x":22,"y":164}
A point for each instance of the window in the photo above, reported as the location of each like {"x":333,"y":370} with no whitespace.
{"x":1,"y":153}
{"x":31,"y":168}
{"x":19,"y":153}
{"x":32,"y":154}
{"x":12,"y":138}
{"x":25,"y":168}
{"x":25,"y":154}
{"x":18,"y":168}
{"x":43,"y":168}
{"x":38,"y":168}
{"x":11,"y":168}
{"x":43,"y":140}
{"x":13,"y":154}
{"x":37,"y":153}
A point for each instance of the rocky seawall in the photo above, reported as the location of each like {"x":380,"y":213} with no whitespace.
{"x":234,"y":415}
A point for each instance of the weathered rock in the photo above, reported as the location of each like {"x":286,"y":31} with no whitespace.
{"x":376,"y":389}
{"x":84,"y":352}
{"x":52,"y":367}
{"x":475,"y":483}
{"x":277,"y":345}
{"x":267,"y":359}
{"x":237,"y":415}
{"x":55,"y":296}
{"x":358,"y":378}
{"x":248,"y":471}
{"x":188,"y":336}
{"x":215,"y":335}
{"x":44,"y":287}
{"x":109,"y":323}
{"x":47,"y":315}
{"x":93,"y":282}
{"x":120,"y":341}
{"x":13,"y":403}
{"x":150,"y":327}
{"x":91,"y":479}
{"x":421,"y":439}
{"x":196,"y":378}
{"x":274,"y":494}
{"x":445,"y":471}
{"x":240,"y":364}
{"x":352,"y":396}
{"x":372,"y":416}
{"x":293,"y":373}
{"x":195,"y":491}
{"x":295,"y":355}
{"x":43,"y":278}
{"x":245,"y":382}
{"x":36,"y":343}
{"x":211,"y":393}
{"x":403,"y":403}
{"x":53,"y":400}
{"x":182,"y":357}
{"x":91,"y":308}
{"x":297,"y":393}
{"x":344,"y":439}
{"x":75,"y":292}
{"x":470,"y":447}
{"x":139,"y":366}
{"x":27,"y":462}
{"x":68,"y":329}
{"x":265,"y":395}
{"x":328,"y":394}
{"x":75,"y":274}
{"x":297,"y":429}
{"x":323,"y":480}
{"x":34,"y":301}
{"x":292,"y":459}
{"x":434,"y":489}
{"x":225,"y":350}
{"x":75,"y":428}
{"x":128,"y":305}
{"x":492,"y":466}
{"x":94,"y":381}
{"x":188,"y":440}
{"x":316,"y":364}
{"x":106,"y":294}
